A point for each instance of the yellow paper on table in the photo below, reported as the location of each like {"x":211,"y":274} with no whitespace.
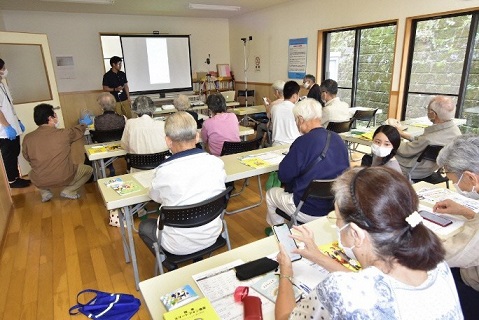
{"x":368,"y":135}
{"x":199,"y":309}
{"x":97,"y":149}
{"x":420,"y":125}
{"x":255,"y":162}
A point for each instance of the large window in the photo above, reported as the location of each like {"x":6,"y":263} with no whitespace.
{"x":361,"y":61}
{"x":443,"y":60}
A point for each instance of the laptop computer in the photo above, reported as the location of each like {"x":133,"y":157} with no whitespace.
{"x":229,"y":95}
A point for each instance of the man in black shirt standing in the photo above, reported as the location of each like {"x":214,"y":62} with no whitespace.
{"x":309,"y":82}
{"x":115,"y":82}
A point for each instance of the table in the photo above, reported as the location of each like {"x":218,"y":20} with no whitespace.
{"x":153,"y":288}
{"x":246,"y":111}
{"x":103,"y":159}
{"x":160,"y":110}
{"x":128,"y":205}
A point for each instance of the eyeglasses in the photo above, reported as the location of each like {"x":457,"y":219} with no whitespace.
{"x":332,"y":218}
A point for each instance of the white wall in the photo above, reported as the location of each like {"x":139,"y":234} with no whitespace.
{"x":78,"y":35}
{"x":272,"y":28}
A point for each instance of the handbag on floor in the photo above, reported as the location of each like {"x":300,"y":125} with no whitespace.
{"x":107,"y":306}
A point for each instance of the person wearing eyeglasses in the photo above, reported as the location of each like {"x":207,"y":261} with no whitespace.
{"x":334,"y":109}
{"x":460,"y":160}
{"x":403,"y":274}
{"x":440,"y":111}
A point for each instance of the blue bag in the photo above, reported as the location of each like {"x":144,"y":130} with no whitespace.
{"x":107,"y":306}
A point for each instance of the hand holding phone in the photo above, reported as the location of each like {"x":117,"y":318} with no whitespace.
{"x":282,"y":233}
{"x":266,"y":101}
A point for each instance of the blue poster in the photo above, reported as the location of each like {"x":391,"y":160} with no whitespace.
{"x":297,"y":53}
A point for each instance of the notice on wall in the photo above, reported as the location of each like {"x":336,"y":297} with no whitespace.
{"x":65,"y":66}
{"x":297,"y":52}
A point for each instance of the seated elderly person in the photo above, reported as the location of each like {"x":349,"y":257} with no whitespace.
{"x":277,"y":87}
{"x":302,"y":164}
{"x":182,"y":103}
{"x":143,"y":135}
{"x":334,"y":109}
{"x":48,"y":150}
{"x":222,"y":126}
{"x":403,"y":274}
{"x":440,"y":112}
{"x":109,"y":120}
{"x":189,"y":176}
{"x":460,"y":159}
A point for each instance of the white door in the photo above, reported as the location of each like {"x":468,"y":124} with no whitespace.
{"x":31,"y":77}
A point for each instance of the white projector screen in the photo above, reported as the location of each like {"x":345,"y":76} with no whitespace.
{"x":157,"y":64}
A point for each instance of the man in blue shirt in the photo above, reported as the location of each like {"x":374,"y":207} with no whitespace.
{"x":296,"y":171}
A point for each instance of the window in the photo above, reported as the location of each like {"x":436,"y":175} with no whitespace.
{"x":443,"y":60}
{"x":111,"y":46}
{"x":361,"y":61}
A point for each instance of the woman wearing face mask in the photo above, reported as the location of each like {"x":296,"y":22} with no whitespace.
{"x":386,"y":141}
{"x":460,"y":159}
{"x":403,"y":276}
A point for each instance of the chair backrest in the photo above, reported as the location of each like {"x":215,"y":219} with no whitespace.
{"x":241,"y":146}
{"x":430,"y":153}
{"x":194,"y":215}
{"x":146,"y":161}
{"x":100,"y":136}
{"x":339,"y":127}
{"x":242,"y":97}
{"x":365,"y":115}
{"x":319,"y":189}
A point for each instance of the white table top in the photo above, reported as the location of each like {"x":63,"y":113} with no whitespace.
{"x":248,"y":110}
{"x":160,"y":110}
{"x":235,"y":170}
{"x":153,"y":288}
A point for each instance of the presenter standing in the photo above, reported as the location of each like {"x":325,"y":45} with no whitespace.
{"x":115,"y":82}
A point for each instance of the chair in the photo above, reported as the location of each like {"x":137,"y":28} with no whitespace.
{"x":246,"y":97}
{"x":364,"y":115}
{"x":340,"y":127}
{"x":243,"y":146}
{"x":430,"y":154}
{"x":145,"y":161}
{"x":99,"y":136}
{"x":317,"y":189}
{"x":190,"y":216}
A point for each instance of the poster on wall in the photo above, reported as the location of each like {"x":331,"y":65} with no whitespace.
{"x":65,"y":66}
{"x":297,"y":51}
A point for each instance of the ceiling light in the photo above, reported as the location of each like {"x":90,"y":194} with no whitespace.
{"x":84,"y":1}
{"x":199,"y":6}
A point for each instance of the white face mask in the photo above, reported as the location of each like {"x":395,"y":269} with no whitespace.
{"x":380,"y":151}
{"x":469,"y":194}
{"x":306,"y":85}
{"x":5,"y":73}
{"x":347,"y":250}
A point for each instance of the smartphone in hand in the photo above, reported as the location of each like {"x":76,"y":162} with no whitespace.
{"x":282,"y":233}
{"x":265,"y":101}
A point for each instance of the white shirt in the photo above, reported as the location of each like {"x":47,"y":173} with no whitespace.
{"x":335,"y":110}
{"x":144,"y":135}
{"x":283,"y":124}
{"x":189,"y":180}
{"x":6,"y":107}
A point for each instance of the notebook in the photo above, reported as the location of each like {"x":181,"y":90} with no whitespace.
{"x":229,"y":95}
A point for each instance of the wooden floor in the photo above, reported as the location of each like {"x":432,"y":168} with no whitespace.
{"x":54,"y":250}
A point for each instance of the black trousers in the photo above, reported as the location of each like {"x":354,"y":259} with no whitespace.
{"x":10,"y":150}
{"x":468,"y":297}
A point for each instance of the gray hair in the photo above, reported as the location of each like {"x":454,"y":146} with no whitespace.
{"x":106,"y":101}
{"x":308,"y":109}
{"x":143,"y":105}
{"x":182,"y":102}
{"x":444,"y":107}
{"x":278,"y":85}
{"x":462,"y":154}
{"x":180,"y":127}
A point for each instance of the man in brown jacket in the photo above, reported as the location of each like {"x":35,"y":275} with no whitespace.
{"x":48,"y":150}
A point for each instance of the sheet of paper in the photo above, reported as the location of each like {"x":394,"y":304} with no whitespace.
{"x":433,"y":195}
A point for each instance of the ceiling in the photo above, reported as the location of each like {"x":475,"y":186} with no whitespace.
{"x":178,"y":8}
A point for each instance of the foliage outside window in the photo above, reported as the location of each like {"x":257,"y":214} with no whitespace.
{"x":361,"y":61}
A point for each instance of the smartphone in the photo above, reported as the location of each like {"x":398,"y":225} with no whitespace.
{"x":434,"y":218}
{"x":265,"y":101}
{"x":282,"y":233}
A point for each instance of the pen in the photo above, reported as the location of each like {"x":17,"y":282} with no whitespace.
{"x":215,"y":274}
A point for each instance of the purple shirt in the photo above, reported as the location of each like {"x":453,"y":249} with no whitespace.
{"x":218,"y":129}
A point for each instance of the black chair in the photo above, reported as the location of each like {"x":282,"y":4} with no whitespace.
{"x":430,"y":154}
{"x":246,"y":97}
{"x":190,"y":216}
{"x":317,"y":189}
{"x":145,"y":161}
{"x":243,"y":146}
{"x":364,"y":115}
{"x":99,"y":136}
{"x":340,"y":127}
